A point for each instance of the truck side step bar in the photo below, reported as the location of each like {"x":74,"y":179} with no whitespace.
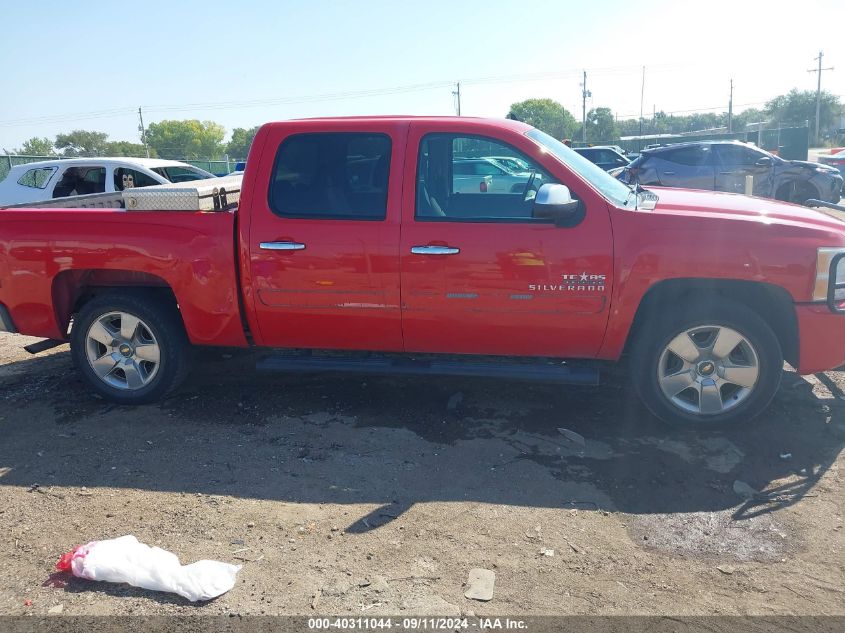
{"x":43,"y":346}
{"x":540,"y":372}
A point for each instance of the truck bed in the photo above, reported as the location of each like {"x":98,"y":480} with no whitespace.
{"x":49,"y":258}
{"x":113,"y":200}
{"x":212,"y":194}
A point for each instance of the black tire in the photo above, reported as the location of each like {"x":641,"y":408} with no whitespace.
{"x":660,"y":328}
{"x":160,"y":319}
{"x":796,"y":192}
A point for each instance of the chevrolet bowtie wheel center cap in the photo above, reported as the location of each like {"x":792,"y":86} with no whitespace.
{"x":706,"y":368}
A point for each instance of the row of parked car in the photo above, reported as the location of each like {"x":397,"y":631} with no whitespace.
{"x":711,"y":165}
{"x":724,"y":166}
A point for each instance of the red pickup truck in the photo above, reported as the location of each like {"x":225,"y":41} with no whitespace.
{"x":352,"y":238}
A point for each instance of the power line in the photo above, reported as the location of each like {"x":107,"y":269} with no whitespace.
{"x":61,"y":118}
{"x":333,"y":96}
{"x":632,"y":115}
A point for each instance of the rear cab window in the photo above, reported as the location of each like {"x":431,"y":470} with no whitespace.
{"x":331,"y":175}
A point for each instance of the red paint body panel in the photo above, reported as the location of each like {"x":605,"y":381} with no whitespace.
{"x":821,"y":333}
{"x":703,"y":235}
{"x":342,"y":290}
{"x":501,"y":294}
{"x":357,"y":286}
{"x":193,"y":253}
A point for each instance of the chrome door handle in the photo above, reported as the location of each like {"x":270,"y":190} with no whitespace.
{"x":281,"y":246}
{"x":435,"y":250}
{"x":668,"y":173}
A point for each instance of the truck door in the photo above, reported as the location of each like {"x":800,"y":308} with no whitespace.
{"x":480,"y":275}
{"x":324,"y":237}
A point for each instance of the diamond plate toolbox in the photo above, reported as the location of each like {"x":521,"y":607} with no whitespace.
{"x":213,"y":194}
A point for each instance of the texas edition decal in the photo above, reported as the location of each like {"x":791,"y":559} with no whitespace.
{"x":583,"y":282}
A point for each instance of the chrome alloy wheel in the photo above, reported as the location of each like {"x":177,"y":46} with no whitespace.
{"x":122,"y":350}
{"x":708,"y":369}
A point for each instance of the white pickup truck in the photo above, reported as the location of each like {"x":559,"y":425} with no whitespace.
{"x":61,"y":178}
{"x":208,"y":194}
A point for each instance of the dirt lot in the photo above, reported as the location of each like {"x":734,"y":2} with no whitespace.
{"x":368,"y":495}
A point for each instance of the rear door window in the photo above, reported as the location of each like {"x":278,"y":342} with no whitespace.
{"x":693,"y":156}
{"x":81,"y":181}
{"x":737,"y":156}
{"x":331,"y":176}
{"x":126,"y":178}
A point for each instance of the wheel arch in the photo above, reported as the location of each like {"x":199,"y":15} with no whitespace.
{"x":72,"y":289}
{"x":772,"y":303}
{"x":787,"y":186}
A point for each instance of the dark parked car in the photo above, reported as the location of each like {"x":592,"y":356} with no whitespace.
{"x":723,"y":166}
{"x":605,"y":157}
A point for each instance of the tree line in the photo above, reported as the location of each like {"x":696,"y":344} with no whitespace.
{"x":794,"y":108}
{"x":188,"y":139}
{"x":194,"y":139}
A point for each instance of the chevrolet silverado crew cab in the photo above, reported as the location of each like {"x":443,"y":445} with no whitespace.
{"x":353,"y":247}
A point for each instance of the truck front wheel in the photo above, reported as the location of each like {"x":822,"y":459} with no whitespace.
{"x":130,"y":348}
{"x":706,"y":365}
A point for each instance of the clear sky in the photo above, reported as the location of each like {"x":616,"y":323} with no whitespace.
{"x":89,"y":65}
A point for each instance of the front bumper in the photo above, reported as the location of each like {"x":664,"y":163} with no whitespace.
{"x":6,"y":324}
{"x":821,"y":338}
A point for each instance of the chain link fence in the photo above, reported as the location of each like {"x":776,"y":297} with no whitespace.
{"x":791,"y":143}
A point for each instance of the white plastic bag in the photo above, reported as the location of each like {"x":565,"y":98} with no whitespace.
{"x":126,"y":560}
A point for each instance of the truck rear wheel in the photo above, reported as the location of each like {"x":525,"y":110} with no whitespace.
{"x":706,"y":365}
{"x":131,"y":348}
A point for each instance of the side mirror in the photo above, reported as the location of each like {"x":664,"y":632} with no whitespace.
{"x":554,"y":202}
{"x":763,"y":161}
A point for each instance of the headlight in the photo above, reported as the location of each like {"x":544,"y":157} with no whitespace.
{"x":824,"y":258}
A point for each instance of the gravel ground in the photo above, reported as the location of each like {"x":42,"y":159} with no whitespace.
{"x":372,"y":495}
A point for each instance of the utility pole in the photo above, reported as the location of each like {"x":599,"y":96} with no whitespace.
{"x":457,"y":94}
{"x":731,"y":109}
{"x":642,"y":95}
{"x":143,"y":132}
{"x":819,"y":90}
{"x":584,"y":94}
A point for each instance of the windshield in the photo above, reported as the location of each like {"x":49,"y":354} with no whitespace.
{"x":612,"y":189}
{"x":179,"y":173}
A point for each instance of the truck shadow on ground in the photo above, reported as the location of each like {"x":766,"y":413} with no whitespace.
{"x":400,"y":441}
